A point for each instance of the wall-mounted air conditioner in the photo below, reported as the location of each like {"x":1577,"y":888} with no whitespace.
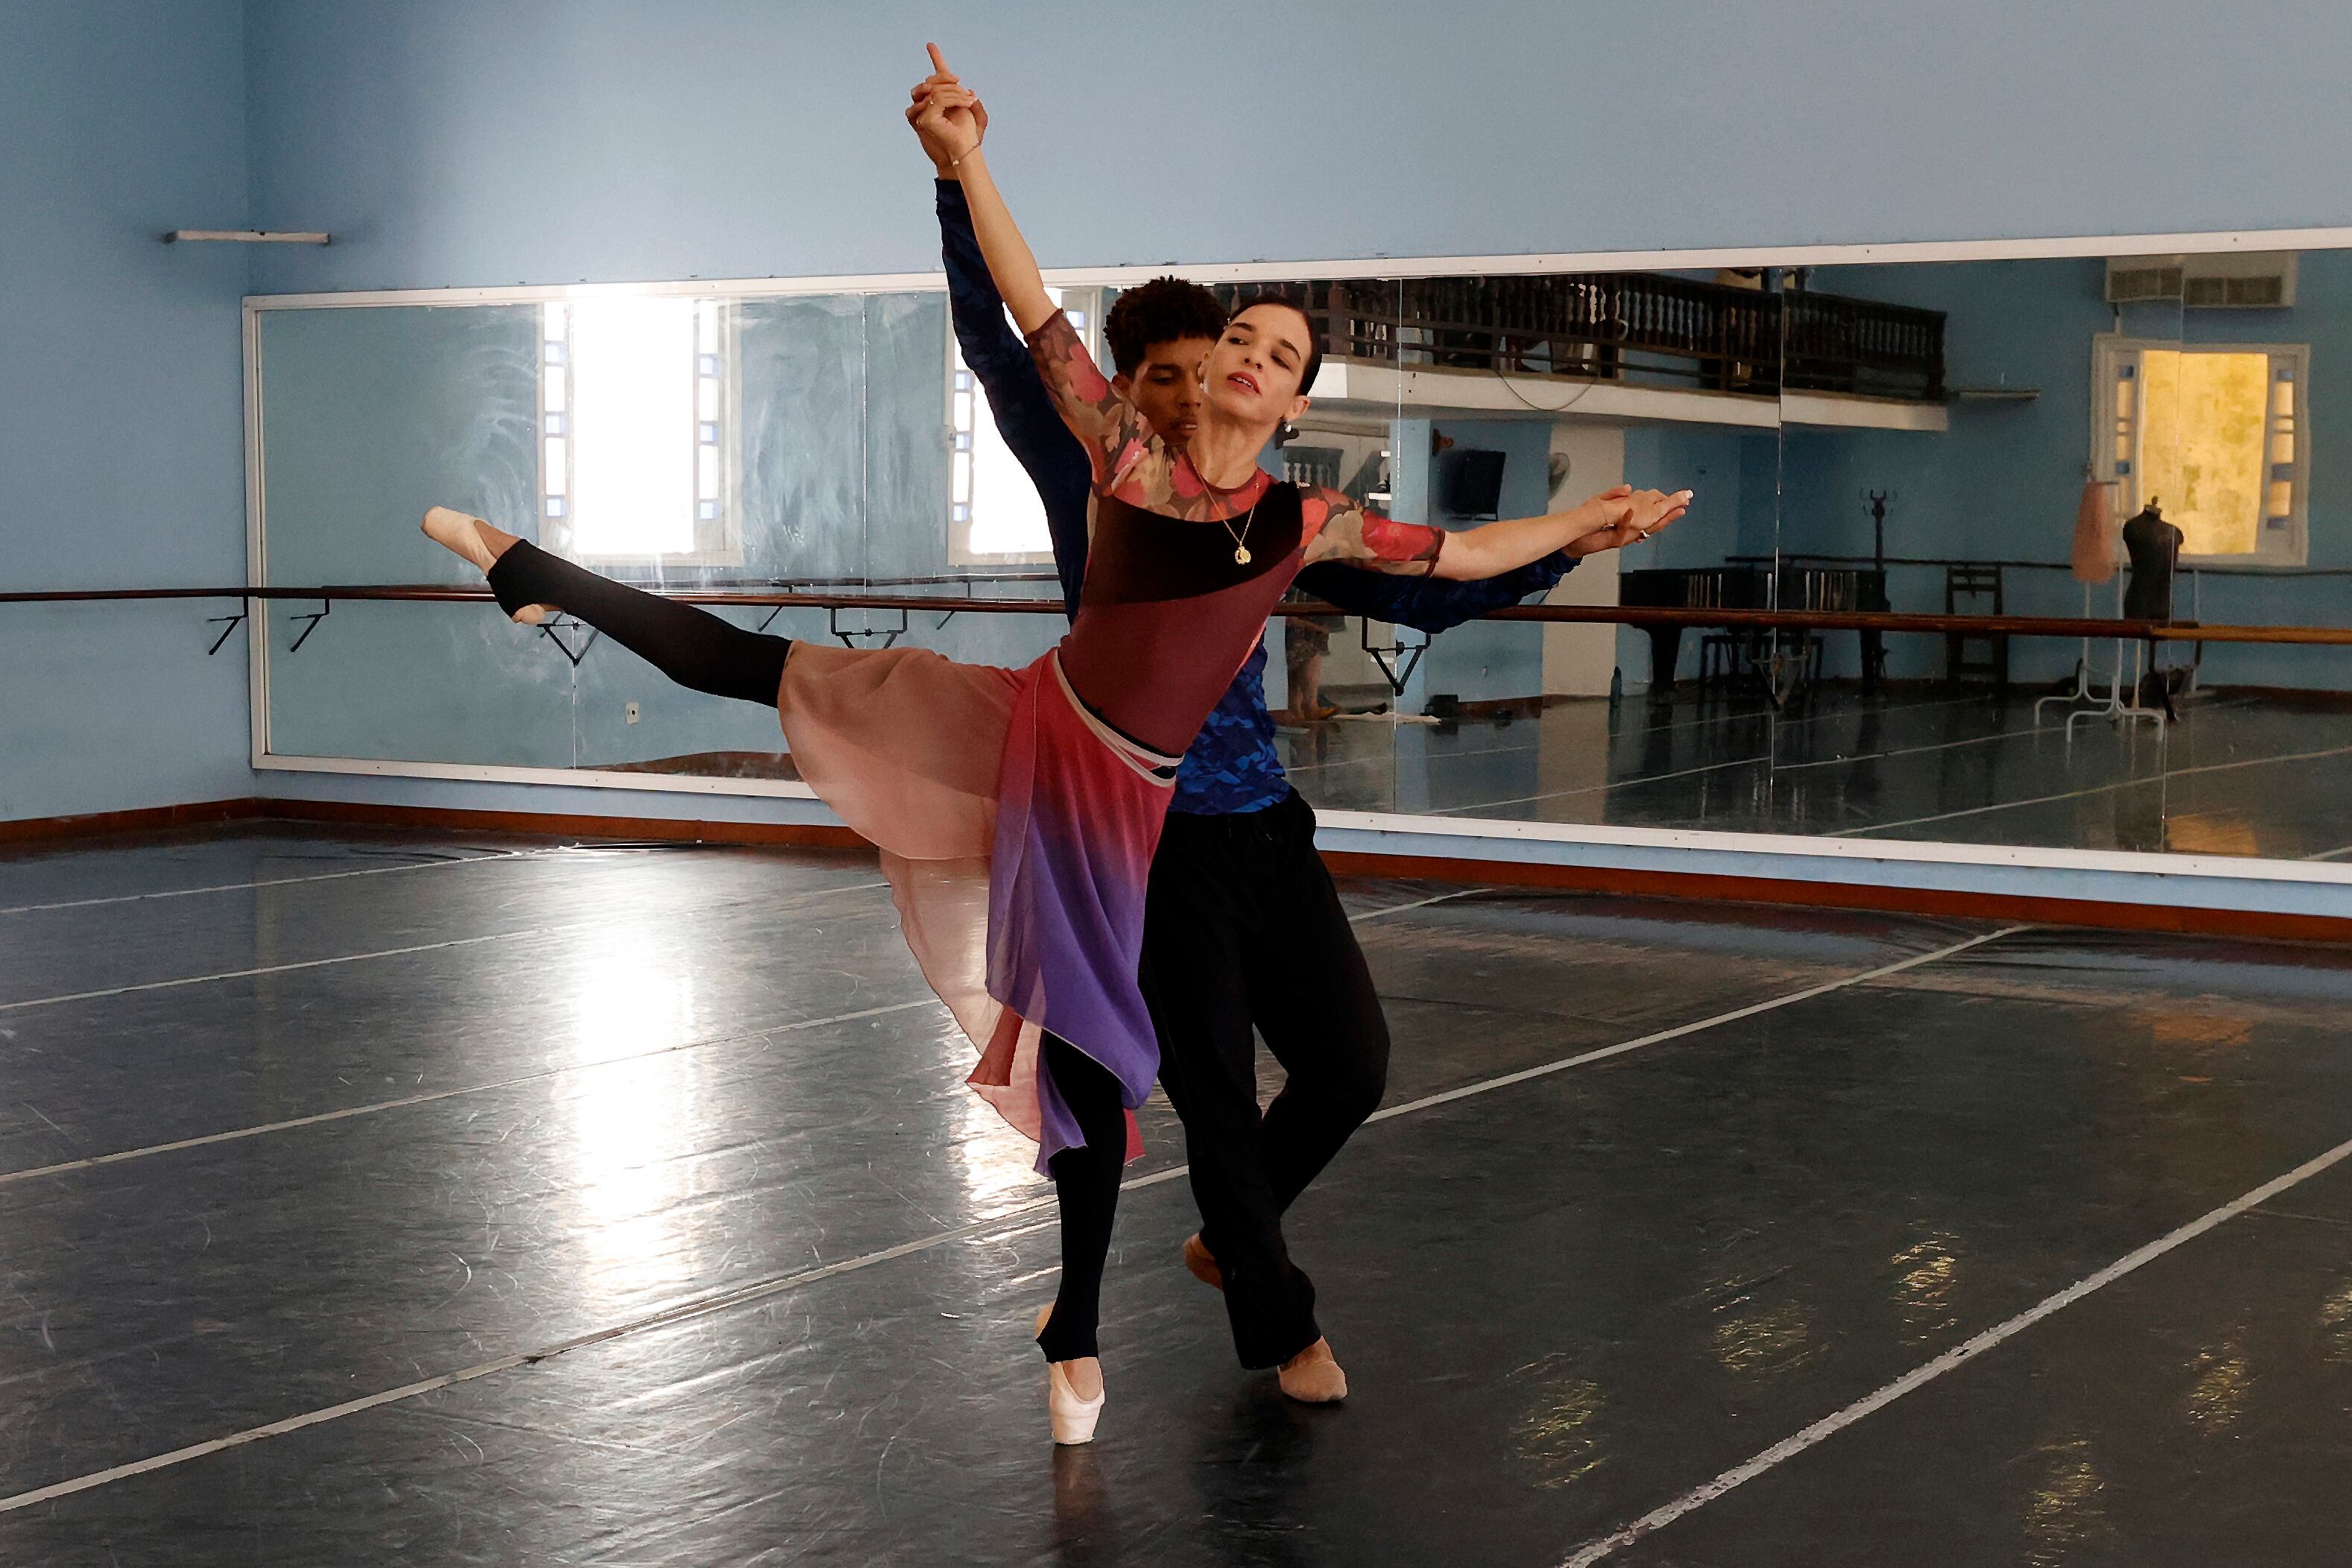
{"x":2236,"y":281}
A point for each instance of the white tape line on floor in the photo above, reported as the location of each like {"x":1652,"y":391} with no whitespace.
{"x":1967,"y":1350}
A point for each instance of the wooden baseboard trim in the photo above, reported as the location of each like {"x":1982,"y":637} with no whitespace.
{"x":1713,"y":888}
{"x":1701,"y":887}
{"x":145,"y":820}
{"x":803,"y":835}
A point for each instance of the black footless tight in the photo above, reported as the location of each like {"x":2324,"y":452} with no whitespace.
{"x":692,"y":646}
{"x":1086,"y":1185}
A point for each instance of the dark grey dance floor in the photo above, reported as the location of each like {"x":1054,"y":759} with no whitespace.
{"x":385,"y":1199}
{"x":2242,"y":772}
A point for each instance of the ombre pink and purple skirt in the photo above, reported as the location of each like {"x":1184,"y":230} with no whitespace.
{"x":1017,"y":831}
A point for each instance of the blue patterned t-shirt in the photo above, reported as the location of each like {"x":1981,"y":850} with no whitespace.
{"x":1232,"y":766}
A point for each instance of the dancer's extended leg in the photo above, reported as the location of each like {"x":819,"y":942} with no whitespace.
{"x":690,"y":645}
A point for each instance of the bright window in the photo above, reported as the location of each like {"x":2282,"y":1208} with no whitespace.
{"x":637,"y":420}
{"x":994,"y":517}
{"x":2213,"y":436}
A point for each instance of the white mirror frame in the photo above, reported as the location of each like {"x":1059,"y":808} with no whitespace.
{"x":1907,"y":868}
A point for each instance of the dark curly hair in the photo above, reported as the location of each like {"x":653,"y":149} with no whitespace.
{"x":1314,"y":337}
{"x":1160,"y":311}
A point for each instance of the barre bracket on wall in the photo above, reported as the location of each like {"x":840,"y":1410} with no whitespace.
{"x":309,"y":620}
{"x":849,"y":635}
{"x":554,"y":630}
{"x":1398,"y":674}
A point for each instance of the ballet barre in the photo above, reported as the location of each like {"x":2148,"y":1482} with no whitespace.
{"x":1569,"y":615}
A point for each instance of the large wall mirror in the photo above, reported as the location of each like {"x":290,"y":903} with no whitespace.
{"x":2122,"y":444}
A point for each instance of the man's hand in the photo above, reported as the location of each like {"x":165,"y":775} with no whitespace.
{"x":940,"y":127}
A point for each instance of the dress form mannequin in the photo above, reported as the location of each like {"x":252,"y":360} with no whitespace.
{"x":2154,"y":546}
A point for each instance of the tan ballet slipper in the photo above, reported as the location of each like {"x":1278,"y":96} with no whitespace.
{"x":1313,"y":1375}
{"x":1073,"y":1415}
{"x":1201,"y":1263}
{"x":462,"y":534}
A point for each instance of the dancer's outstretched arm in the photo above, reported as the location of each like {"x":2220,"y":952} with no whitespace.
{"x":1427,"y":604}
{"x":1347,"y":530}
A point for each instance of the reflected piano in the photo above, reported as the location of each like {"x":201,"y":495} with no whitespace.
{"x":1753,"y":585}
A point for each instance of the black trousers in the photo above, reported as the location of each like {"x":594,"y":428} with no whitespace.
{"x":1244,"y":928}
{"x":698,"y":650}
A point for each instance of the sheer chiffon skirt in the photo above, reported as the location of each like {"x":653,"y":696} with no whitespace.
{"x":1016,"y":830}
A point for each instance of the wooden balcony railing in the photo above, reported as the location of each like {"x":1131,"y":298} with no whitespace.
{"x":1639,"y":328}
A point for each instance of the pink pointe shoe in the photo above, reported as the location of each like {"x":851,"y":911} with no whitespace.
{"x":462,"y":534}
{"x":1073,"y":1415}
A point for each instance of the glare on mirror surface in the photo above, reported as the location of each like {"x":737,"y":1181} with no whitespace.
{"x":993,"y":512}
{"x":633,"y":406}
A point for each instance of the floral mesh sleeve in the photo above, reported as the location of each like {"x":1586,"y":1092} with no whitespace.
{"x":1342,"y":529}
{"x":1114,"y":435}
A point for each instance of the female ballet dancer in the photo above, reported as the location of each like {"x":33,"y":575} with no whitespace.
{"x":1016,"y":811}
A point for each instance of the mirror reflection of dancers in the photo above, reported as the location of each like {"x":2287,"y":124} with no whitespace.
{"x":1243,"y":933}
{"x":1016,"y":811}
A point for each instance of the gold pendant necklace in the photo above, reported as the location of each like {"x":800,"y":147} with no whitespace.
{"x":1240,"y":550}
{"x":1241,"y":539}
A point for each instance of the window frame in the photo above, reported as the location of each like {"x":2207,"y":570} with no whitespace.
{"x":1089,"y":303}
{"x":718,"y":540}
{"x":2280,"y":543}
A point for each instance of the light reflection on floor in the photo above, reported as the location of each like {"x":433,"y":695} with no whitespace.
{"x":2242,"y":774}
{"x":632,"y":1129}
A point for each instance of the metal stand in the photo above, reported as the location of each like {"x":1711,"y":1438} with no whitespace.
{"x":2082,"y":692}
{"x":2115,"y":708}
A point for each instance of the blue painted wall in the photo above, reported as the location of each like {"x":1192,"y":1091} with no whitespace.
{"x":2003,"y":481}
{"x":1483,"y":661}
{"x":121,"y":462}
{"x":492,"y":142}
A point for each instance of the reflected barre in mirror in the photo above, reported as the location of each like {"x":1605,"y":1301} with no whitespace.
{"x":1881,"y":619}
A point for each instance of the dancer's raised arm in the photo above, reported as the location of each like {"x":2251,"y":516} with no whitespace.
{"x":949,"y":117}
